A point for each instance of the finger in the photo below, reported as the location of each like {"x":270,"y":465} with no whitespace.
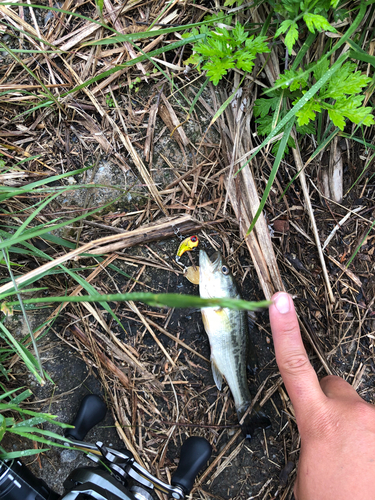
{"x":298,"y":375}
{"x":337,"y":388}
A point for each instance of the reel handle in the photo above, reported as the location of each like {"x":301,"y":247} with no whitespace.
{"x":91,"y":411}
{"x":195,"y":453}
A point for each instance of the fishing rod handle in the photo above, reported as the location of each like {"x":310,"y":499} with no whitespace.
{"x":91,"y":411}
{"x":195,"y":453}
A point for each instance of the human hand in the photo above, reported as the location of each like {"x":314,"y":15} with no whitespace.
{"x":337,"y":427}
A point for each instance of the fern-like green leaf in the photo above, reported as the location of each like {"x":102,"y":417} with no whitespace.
{"x":307,"y":112}
{"x":239,"y":34}
{"x":352,"y":109}
{"x":291,"y":28}
{"x":289,"y":79}
{"x":317,"y":22}
{"x":257,"y":45}
{"x":291,"y":37}
{"x":217,"y":68}
{"x":262,"y":106}
{"x":345,"y":81}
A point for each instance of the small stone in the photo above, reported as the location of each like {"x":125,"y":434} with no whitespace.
{"x":281,"y":226}
{"x":69,"y":455}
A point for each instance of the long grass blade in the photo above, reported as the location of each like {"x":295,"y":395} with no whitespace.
{"x":275,"y":168}
{"x":24,"y":314}
{"x":156,"y":300}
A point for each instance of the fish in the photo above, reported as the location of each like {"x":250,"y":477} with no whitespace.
{"x":228,"y":334}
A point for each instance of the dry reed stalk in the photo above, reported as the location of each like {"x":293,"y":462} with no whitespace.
{"x":135,"y":309}
{"x":178,"y":341}
{"x":160,"y":230}
{"x":243,"y":195}
{"x":302,"y":177}
{"x":119,"y":350}
{"x":347,"y":271}
{"x":103,"y":359}
{"x":217,"y":460}
{"x":119,"y":27}
{"x":173,"y":122}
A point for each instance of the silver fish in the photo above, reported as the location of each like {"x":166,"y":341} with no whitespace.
{"x":228,"y":334}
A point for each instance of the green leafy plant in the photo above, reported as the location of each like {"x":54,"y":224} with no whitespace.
{"x":134,"y":84}
{"x":266,"y":110}
{"x":340,"y":96}
{"x":313,"y":12}
{"x":109,"y":101}
{"x":224,"y":49}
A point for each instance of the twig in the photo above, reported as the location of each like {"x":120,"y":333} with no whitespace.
{"x":302,"y":176}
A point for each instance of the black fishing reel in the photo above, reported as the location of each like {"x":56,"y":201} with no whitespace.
{"x":115,"y":470}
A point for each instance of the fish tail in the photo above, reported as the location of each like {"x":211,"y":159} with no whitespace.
{"x":257,"y":419}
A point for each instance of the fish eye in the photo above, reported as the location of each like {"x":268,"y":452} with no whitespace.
{"x":194,"y":239}
{"x":225,"y":270}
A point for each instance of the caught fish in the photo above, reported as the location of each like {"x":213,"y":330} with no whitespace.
{"x":228,"y":334}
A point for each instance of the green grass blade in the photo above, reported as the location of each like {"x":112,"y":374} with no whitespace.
{"x":31,"y":73}
{"x":199,"y":93}
{"x":19,"y":454}
{"x":11,"y":192}
{"x":21,"y":397}
{"x":33,"y":437}
{"x":24,"y":314}
{"x":225,"y":104}
{"x":275,"y":168}
{"x":360,"y":244}
{"x":39,"y":232}
{"x":35,"y":213}
{"x":156,"y":300}
{"x":302,"y":52}
{"x":21,"y":352}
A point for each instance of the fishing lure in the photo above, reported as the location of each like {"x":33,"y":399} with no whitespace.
{"x":186,"y":245}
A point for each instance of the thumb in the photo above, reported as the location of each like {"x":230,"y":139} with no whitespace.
{"x":298,"y":375}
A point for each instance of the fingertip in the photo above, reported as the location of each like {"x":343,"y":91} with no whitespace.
{"x":282,"y":313}
{"x":285,"y":329}
{"x":283,"y":303}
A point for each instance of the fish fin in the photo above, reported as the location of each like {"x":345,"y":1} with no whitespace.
{"x":205,"y":321}
{"x":218,"y":378}
{"x":256,"y":420}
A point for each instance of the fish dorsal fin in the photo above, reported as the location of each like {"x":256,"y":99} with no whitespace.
{"x":218,"y":378}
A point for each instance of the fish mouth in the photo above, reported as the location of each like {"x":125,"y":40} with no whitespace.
{"x":208,"y":268}
{"x":209,"y":264}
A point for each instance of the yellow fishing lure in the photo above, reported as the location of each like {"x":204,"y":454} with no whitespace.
{"x":187,"y":244}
